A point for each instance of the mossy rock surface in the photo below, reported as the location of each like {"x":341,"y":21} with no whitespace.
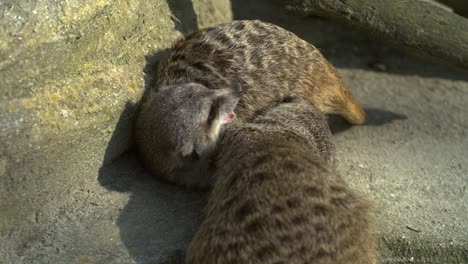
{"x":71,"y":73}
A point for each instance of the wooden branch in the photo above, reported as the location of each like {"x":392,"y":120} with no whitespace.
{"x":417,"y":26}
{"x":459,"y":6}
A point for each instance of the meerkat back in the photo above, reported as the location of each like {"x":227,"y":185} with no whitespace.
{"x":269,"y":62}
{"x":277,"y":198}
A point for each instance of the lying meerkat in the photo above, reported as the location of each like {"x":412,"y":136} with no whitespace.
{"x":267,"y":61}
{"x":277,"y":198}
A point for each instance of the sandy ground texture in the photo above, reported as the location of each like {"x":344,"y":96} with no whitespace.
{"x":411,"y":158}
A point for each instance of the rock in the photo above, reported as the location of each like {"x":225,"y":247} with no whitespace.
{"x":416,"y":26}
{"x":70,"y":75}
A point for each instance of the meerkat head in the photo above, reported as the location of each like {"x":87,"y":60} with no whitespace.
{"x":187,"y":121}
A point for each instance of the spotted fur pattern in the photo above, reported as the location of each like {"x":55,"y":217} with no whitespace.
{"x":267,"y":61}
{"x":277,"y":198}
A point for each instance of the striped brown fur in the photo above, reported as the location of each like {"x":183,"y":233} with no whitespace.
{"x":277,"y":198}
{"x":269,"y":62}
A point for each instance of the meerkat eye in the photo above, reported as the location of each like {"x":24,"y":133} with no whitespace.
{"x":211,"y":115}
{"x":213,"y":111}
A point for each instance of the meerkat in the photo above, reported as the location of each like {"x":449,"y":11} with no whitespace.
{"x":277,"y":198}
{"x":267,"y":61}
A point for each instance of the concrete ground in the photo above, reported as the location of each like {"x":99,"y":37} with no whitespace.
{"x":410,"y":158}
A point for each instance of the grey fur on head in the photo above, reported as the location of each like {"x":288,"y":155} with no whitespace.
{"x":182,"y":127}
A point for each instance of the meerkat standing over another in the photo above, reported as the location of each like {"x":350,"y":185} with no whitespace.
{"x":277,"y":198}
{"x":267,"y":61}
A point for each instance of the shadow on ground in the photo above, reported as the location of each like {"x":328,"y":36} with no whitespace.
{"x":374,"y":117}
{"x":159,"y":218}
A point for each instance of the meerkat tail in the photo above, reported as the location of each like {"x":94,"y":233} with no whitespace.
{"x":352,"y":111}
{"x":336,"y":97}
{"x":341,"y":102}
